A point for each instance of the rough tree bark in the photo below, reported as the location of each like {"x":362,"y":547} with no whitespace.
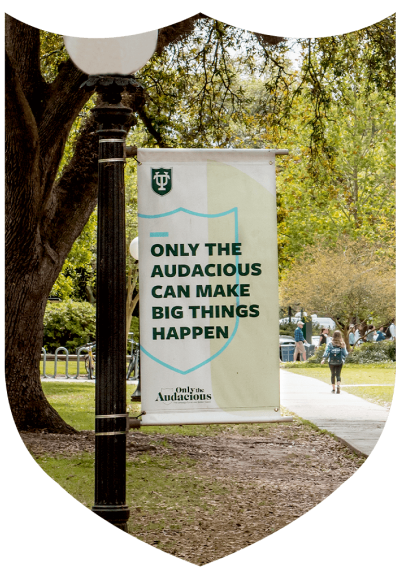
{"x":42,"y":219}
{"x":43,"y":216}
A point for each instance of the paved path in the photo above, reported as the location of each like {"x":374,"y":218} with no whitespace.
{"x":355,"y":421}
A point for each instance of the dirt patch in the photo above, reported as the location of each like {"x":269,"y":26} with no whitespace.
{"x":263,"y":483}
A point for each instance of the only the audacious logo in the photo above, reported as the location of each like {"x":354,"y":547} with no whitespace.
{"x":161,"y":181}
{"x":168,"y":395}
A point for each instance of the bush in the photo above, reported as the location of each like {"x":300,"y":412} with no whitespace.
{"x":69,"y":324}
{"x":317,"y":357}
{"x":368,"y":353}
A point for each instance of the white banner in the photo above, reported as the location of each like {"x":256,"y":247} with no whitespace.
{"x":208,"y":274}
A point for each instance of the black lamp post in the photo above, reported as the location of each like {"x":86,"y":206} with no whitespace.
{"x":96,"y":57}
{"x":111,"y":416}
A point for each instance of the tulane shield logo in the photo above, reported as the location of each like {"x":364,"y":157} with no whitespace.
{"x":161,"y":181}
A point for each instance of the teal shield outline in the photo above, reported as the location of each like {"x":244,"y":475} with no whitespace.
{"x":234,"y":210}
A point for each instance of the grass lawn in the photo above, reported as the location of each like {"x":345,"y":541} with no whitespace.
{"x":75,"y":403}
{"x":381,"y":395}
{"x":367,"y":375}
{"x":199,"y":492}
{"x":383,"y":374}
{"x":154,"y":484}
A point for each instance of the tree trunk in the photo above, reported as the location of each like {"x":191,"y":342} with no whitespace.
{"x":25,"y":307}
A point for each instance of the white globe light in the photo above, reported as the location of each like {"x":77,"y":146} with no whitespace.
{"x":123,"y":55}
{"x":134,"y":248}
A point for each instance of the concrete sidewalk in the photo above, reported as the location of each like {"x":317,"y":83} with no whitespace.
{"x":355,"y":421}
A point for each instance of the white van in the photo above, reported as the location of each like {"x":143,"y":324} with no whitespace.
{"x":322,"y":322}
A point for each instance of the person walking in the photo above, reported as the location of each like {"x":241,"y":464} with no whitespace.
{"x":300,"y":341}
{"x":336,"y":353}
{"x":323,"y":337}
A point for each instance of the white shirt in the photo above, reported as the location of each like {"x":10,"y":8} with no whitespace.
{"x":392,"y":330}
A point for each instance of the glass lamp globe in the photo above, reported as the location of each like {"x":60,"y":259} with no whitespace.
{"x":122,"y":55}
{"x":134,"y":248}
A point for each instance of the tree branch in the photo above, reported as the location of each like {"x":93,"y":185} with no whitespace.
{"x":72,"y":200}
{"x":74,"y":197}
{"x":21,"y":148}
{"x":175,"y":33}
{"x":148,"y":123}
{"x":22,"y":44}
{"x":63,"y":104}
{"x":268,"y":40}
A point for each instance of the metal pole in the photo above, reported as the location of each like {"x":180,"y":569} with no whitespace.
{"x":111,"y":416}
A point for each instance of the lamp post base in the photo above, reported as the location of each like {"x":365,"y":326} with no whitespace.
{"x":116,"y":515}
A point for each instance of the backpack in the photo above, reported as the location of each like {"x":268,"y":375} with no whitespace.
{"x":335,"y":356}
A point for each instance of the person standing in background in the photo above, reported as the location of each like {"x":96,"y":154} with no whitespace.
{"x":357,"y":334}
{"x":369,"y":336}
{"x":381,"y":334}
{"x":392,"y":330}
{"x":323,"y":337}
{"x":352,"y":337}
{"x":300,"y":341}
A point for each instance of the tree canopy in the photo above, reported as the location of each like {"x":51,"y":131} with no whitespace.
{"x":346,"y":282}
{"x":208,"y":85}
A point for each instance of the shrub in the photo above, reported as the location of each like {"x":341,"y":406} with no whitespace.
{"x":69,"y":324}
{"x":317,"y":357}
{"x":369,"y":352}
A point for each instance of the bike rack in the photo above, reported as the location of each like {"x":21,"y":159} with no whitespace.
{"x":135,"y":372}
{"x":56,"y":360}
{"x":44,"y":375}
{"x":78,"y":353}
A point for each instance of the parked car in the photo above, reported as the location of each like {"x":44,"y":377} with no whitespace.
{"x":286,"y":340}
